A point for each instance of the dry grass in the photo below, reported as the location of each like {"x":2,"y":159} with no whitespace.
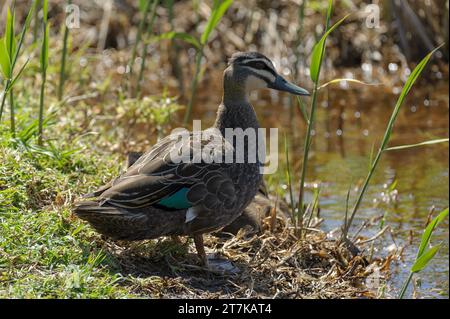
{"x":274,"y":264}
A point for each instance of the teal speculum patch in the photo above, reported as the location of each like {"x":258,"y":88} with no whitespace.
{"x":177,"y":200}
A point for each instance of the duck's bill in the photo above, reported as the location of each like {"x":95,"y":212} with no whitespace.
{"x":281,"y":84}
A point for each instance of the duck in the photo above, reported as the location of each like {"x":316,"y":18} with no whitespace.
{"x":253,"y":217}
{"x":192,"y":183}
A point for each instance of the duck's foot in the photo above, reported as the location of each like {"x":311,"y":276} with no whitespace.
{"x":223,"y":266}
{"x":212,"y":263}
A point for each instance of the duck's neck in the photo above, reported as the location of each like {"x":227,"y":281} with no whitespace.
{"x":235,"y":111}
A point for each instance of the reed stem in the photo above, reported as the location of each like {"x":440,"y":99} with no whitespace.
{"x":387,"y":134}
{"x":41,"y":108}
{"x":289,"y":177}
{"x":36,"y":20}
{"x":138,"y":36}
{"x":13,"y":121}
{"x":198,"y":60}
{"x":308,"y":139}
{"x":4,"y":93}
{"x":62,"y":72}
{"x":405,"y":286}
{"x":144,"y":49}
{"x":310,"y":123}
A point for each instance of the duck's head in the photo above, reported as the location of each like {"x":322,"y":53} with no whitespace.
{"x":253,"y":70}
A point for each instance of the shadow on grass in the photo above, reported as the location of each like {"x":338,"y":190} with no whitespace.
{"x":179,"y":268}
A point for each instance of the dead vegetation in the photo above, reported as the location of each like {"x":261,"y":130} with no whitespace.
{"x":274,"y":264}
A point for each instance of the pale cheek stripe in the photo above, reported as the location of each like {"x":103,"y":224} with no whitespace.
{"x":265,"y":75}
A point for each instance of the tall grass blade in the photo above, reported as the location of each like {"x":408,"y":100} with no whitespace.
{"x":406,"y":88}
{"x":219,"y":9}
{"x":10,"y":35}
{"x":44,"y":49}
{"x":144,"y":6}
{"x":8,"y":58}
{"x":13,"y":82}
{"x":5,"y":62}
{"x":289,"y":178}
{"x":334,"y":81}
{"x":431,"y":142}
{"x":45,"y":11}
{"x":319,"y":51}
{"x":347,"y":201}
{"x":44,"y":65}
{"x":12,"y":116}
{"x":182,"y":36}
{"x":144,"y":47}
{"x":198,"y":61}
{"x":314,"y":207}
{"x":315,"y":67}
{"x":429,"y":231}
{"x":22,"y":34}
{"x":424,"y":256}
{"x":302,"y":108}
{"x":62,"y":72}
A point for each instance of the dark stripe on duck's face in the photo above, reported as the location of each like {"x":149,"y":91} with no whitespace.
{"x":259,"y":64}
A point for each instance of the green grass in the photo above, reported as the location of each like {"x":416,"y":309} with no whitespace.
{"x":44,"y":250}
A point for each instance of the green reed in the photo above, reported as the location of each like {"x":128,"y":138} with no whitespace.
{"x":317,"y":56}
{"x":145,"y":48}
{"x":62,"y":72}
{"x":36,"y":20}
{"x":10,"y":50}
{"x":174,"y":55}
{"x":44,"y":66}
{"x":387,"y":134}
{"x":218,"y":10}
{"x":289,"y":180}
{"x":424,"y":255}
{"x":144,"y":6}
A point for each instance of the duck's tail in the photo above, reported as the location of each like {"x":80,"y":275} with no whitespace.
{"x":125,"y":224}
{"x":111,"y":221}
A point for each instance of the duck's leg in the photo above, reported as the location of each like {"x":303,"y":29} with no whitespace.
{"x":198,"y":240}
{"x":176,"y":239}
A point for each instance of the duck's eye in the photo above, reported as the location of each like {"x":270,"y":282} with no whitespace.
{"x":260,"y":65}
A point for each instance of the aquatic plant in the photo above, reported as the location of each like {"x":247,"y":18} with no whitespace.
{"x":218,"y":10}
{"x":144,"y":6}
{"x":9,"y":54}
{"x":44,"y":66}
{"x":62,"y":72}
{"x":424,"y":255}
{"x":387,"y":134}
{"x":317,"y":56}
{"x":145,"y":48}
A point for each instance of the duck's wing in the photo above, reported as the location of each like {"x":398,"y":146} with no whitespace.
{"x":163,"y":175}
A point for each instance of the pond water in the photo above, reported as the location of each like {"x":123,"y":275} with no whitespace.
{"x":350,"y":120}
